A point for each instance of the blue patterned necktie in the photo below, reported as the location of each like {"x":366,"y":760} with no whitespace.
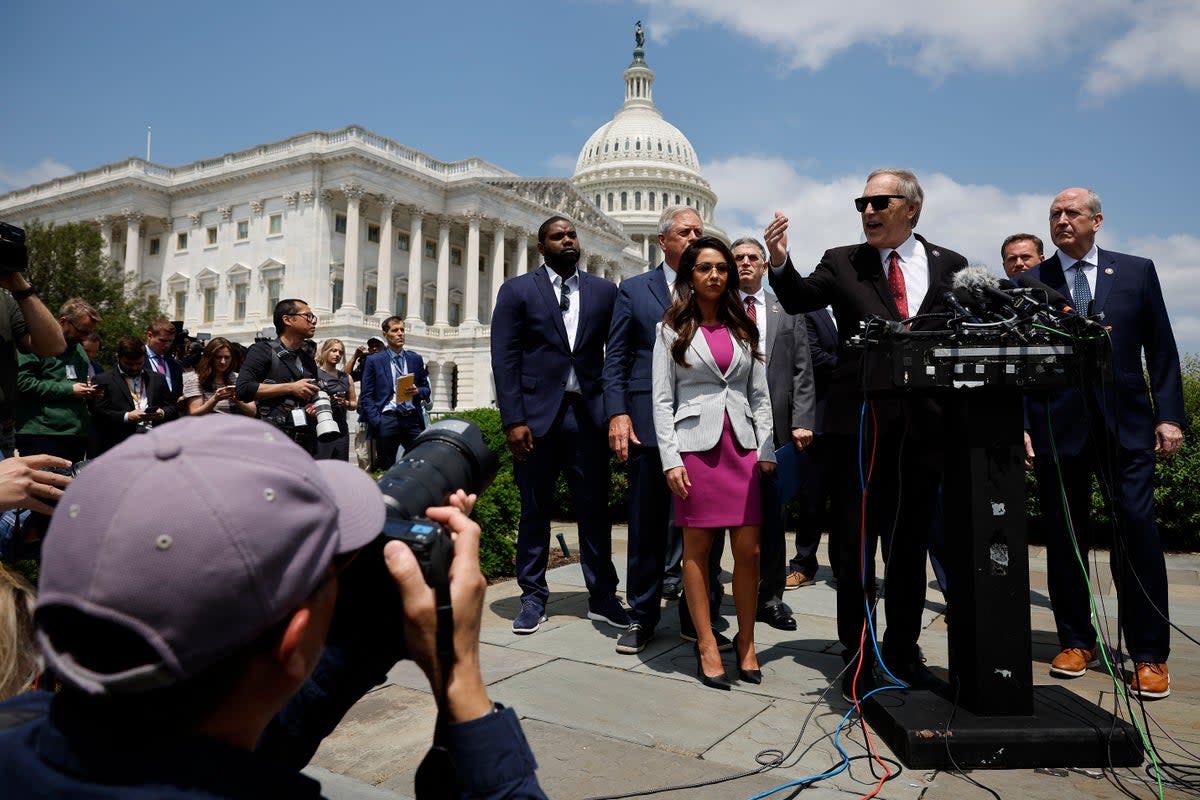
{"x":1081,"y":292}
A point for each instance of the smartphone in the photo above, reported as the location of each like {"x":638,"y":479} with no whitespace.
{"x":152,"y":409}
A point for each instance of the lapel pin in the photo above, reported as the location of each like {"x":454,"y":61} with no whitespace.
{"x":937,"y":252}
{"x":1108,"y":270}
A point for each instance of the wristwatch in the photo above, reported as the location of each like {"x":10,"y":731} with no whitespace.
{"x":22,"y":294}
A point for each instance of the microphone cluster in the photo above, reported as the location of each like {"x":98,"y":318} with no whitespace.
{"x":983,"y":302}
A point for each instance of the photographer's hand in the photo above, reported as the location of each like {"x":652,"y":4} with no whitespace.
{"x":25,"y":483}
{"x":466,"y":695}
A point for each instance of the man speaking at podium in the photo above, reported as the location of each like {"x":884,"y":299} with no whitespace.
{"x":895,"y":275}
{"x":1113,"y":430}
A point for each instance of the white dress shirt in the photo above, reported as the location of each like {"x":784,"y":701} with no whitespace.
{"x":760,"y":310}
{"x":570,"y":317}
{"x":914,"y":265}
{"x":1088,"y":263}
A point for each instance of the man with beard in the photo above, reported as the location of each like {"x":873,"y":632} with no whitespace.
{"x":548,"y":332}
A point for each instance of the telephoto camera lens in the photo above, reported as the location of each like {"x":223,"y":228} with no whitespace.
{"x":445,"y":457}
{"x":327,"y":428}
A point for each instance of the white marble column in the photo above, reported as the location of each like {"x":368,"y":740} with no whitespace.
{"x":441,"y":311}
{"x":522,"y":246}
{"x":416,"y":253}
{"x":645,"y":249}
{"x":322,"y":301}
{"x":471,"y":272}
{"x":350,"y":270}
{"x":384,"y":296}
{"x":497,"y":265}
{"x":133,"y":246}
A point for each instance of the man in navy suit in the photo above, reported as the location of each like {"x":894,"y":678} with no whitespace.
{"x":1113,"y":430}
{"x":160,"y":338}
{"x":393,"y":421}
{"x":896,"y":274}
{"x":548,"y":332}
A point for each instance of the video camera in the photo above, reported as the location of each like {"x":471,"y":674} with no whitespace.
{"x":13,"y":255}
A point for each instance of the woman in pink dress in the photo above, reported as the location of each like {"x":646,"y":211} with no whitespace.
{"x":712,"y":419}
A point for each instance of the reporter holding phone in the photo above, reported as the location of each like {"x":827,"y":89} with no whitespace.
{"x":210,"y":388}
{"x":130,"y":399}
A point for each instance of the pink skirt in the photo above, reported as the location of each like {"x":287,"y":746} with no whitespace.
{"x":725,"y":492}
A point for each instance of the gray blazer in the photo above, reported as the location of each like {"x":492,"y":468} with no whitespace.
{"x":789,"y":372}
{"x":690,"y":403}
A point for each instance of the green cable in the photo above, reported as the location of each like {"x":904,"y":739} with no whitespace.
{"x":1118,"y":685}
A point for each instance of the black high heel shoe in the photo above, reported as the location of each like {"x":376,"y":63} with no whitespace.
{"x":713,"y":682}
{"x":746,"y":675}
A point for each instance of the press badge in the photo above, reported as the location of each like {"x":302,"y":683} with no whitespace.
{"x":71,"y":372}
{"x":298,"y":418}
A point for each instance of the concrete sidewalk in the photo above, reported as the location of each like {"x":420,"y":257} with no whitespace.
{"x":604,"y":724}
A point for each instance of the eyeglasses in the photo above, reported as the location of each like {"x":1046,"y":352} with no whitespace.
{"x":308,"y":315}
{"x":704,"y":269}
{"x":747,"y":257}
{"x":878,"y":201}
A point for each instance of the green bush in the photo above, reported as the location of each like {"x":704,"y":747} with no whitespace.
{"x":498,"y":510}
{"x":618,"y":494}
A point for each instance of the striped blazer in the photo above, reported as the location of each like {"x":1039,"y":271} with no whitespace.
{"x":690,"y":403}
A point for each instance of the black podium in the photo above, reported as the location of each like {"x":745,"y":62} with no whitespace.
{"x":991,"y":715}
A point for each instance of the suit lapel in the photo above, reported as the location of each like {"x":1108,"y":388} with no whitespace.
{"x":704,"y":355}
{"x":1106,"y":276}
{"x":772,"y":312}
{"x":658,"y":287}
{"x":870,"y":271}
{"x":587,"y":306}
{"x":937,"y":275}
{"x":541,"y":279}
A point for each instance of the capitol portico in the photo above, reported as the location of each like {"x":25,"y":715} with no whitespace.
{"x":362,"y":227}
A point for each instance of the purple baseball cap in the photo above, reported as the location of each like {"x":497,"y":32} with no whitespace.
{"x":196,"y":538}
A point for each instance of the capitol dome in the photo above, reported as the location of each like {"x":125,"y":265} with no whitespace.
{"x":637,"y":163}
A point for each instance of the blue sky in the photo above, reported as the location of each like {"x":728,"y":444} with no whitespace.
{"x":788,"y":103}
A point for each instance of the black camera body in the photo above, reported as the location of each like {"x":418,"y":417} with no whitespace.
{"x":13,"y":255}
{"x":429,"y":542}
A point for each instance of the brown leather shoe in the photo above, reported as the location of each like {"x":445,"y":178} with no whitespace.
{"x":797,"y":579}
{"x":1149,"y":681}
{"x":1072,"y":662}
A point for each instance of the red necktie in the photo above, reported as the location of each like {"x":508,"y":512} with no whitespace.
{"x":750,"y":310}
{"x":896,"y":283}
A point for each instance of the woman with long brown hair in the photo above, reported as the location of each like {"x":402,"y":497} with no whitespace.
{"x":210,"y":388}
{"x":712,"y":418}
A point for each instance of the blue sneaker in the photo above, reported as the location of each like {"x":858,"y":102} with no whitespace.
{"x":532,"y":615}
{"x":608,"y":610}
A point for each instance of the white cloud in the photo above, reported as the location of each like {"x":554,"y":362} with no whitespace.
{"x":1164,"y":43}
{"x":1155,"y":39}
{"x":561,"y":164}
{"x":45,"y":170}
{"x":972,"y":219}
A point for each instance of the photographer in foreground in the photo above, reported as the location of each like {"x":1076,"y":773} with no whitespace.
{"x":280,"y":375}
{"x":179,"y":632}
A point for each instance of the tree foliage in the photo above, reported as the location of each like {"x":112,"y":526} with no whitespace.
{"x":66,"y":261}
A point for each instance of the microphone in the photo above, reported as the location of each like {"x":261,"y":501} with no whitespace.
{"x":1055,"y":302}
{"x":958,"y":303}
{"x":983,"y":284}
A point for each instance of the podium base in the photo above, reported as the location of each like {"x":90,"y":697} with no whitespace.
{"x":1064,"y":731}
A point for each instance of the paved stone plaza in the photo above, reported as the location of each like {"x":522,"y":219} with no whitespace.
{"x":604,"y":724}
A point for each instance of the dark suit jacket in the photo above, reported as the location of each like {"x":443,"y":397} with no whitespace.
{"x":109,"y":410}
{"x":531,"y":357}
{"x":822,"y":347}
{"x":1129,"y":295}
{"x":852,"y":280}
{"x":628,"y":363}
{"x":789,"y":373}
{"x":378,"y":387}
{"x":175,"y":369}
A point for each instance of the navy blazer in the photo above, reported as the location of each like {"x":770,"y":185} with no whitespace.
{"x":1129,"y":295}
{"x":378,"y":387}
{"x":628,"y":364}
{"x":531,"y":357}
{"x":823,"y":346}
{"x":852,"y":280}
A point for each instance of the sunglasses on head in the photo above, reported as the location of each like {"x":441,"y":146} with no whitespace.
{"x":878,"y":201}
